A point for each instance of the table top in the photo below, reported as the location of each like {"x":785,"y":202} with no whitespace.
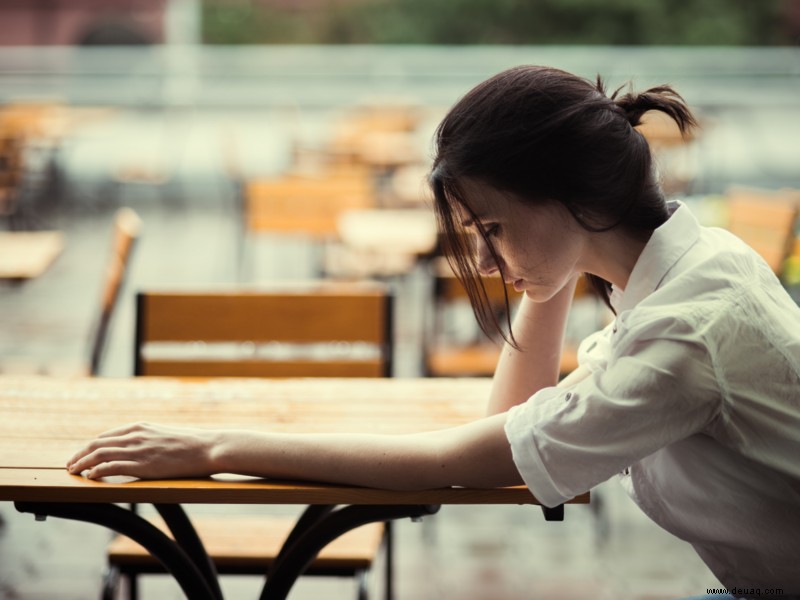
{"x":405,"y":231}
{"x":28,"y":254}
{"x":43,"y":420}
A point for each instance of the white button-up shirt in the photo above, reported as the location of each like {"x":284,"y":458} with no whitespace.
{"x":693,"y":399}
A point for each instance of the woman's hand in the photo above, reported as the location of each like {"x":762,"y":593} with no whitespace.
{"x":146,"y":451}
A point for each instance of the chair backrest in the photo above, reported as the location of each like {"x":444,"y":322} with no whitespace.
{"x":127,"y":226}
{"x":765,"y":220}
{"x":449,"y":288}
{"x":317,"y":329}
{"x":307,"y":205}
{"x":475,"y":355}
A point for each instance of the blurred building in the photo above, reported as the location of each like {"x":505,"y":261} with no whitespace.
{"x":82,"y":22}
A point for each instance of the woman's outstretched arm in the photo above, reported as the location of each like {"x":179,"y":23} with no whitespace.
{"x":472,"y":455}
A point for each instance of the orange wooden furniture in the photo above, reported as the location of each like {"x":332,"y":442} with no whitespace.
{"x":314,"y":330}
{"x":127,"y":227}
{"x":43,"y":420}
{"x":308,"y":205}
{"x":766,"y":220}
{"x":27,"y":254}
{"x":297,"y":330}
{"x":303,"y":206}
{"x":448,"y":355}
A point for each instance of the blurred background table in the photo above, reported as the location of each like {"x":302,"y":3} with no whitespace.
{"x":27,"y":254}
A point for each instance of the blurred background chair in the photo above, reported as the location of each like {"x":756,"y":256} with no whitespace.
{"x":319,"y":329}
{"x":126,"y":228}
{"x":455,"y":346}
{"x":304,"y":206}
{"x":765,"y":220}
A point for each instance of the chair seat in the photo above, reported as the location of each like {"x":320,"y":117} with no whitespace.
{"x":250,"y":544}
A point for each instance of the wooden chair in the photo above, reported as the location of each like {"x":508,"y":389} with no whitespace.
{"x":127,"y":226}
{"x":474,"y":354}
{"x":304,"y":206}
{"x":126,"y":230}
{"x":382,"y":137}
{"x":765,"y":220}
{"x":277,"y":332}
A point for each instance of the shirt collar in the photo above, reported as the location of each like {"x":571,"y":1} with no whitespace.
{"x":665,"y":247}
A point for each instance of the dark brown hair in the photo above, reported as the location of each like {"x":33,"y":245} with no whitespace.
{"x":542,"y":135}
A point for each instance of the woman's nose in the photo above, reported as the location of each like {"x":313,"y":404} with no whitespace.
{"x":485,"y":261}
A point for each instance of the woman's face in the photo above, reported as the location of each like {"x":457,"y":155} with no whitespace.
{"x":540,"y":247}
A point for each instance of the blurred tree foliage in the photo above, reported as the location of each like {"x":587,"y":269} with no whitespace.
{"x":614,"y":22}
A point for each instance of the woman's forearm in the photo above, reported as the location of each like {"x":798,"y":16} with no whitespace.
{"x":474,"y":455}
{"x":539,"y":331}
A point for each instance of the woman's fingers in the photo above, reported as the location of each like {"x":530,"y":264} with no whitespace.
{"x":97,"y":452}
{"x":117,"y":467}
{"x":119,"y":438}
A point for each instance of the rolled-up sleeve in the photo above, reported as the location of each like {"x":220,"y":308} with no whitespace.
{"x":524,"y":447}
{"x":655,"y":388}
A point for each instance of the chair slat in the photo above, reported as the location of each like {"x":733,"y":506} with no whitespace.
{"x":263,"y":368}
{"x":263,"y":317}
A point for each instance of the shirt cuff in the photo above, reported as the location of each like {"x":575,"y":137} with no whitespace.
{"x":520,"y":428}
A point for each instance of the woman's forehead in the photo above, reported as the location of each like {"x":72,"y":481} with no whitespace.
{"x":480,"y":201}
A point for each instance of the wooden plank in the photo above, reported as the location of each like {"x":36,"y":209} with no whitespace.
{"x":264,"y":317}
{"x":263,"y":368}
{"x":253,"y":542}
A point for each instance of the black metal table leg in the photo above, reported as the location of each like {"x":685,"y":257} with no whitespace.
{"x":185,"y":535}
{"x":553,"y":514}
{"x":306,"y":541}
{"x":311,"y":516}
{"x":176,"y":561}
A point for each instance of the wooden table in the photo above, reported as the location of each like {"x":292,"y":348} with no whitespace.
{"x":400,"y":231}
{"x":383,"y":241}
{"x":27,"y":254}
{"x":44,"y":420}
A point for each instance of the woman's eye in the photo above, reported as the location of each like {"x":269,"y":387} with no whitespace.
{"x":492,"y":230}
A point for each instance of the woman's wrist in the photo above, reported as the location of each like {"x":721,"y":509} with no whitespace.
{"x":217,"y":451}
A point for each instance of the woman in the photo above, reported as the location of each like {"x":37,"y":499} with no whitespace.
{"x":691,"y":395}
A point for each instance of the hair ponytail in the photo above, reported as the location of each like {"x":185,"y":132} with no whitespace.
{"x":662,"y":98}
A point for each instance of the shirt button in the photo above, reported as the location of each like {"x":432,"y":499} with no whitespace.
{"x":568,"y":396}
{"x":626,"y":471}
